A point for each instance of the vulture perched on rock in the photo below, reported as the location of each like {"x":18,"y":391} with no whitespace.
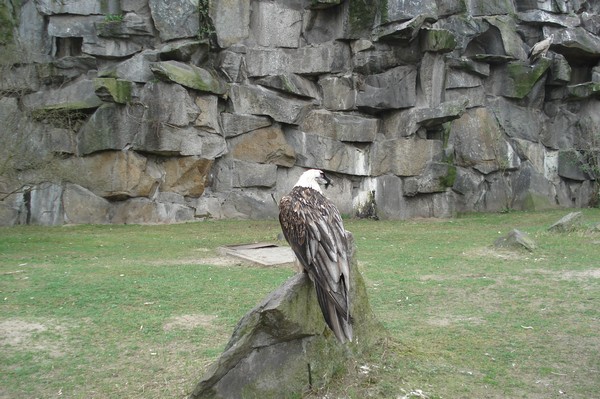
{"x":540,"y":49}
{"x":313,"y":227}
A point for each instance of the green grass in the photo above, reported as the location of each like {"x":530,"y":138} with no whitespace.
{"x":141,"y":311}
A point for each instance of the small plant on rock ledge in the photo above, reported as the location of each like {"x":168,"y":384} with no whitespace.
{"x":113,"y":17}
{"x":206,"y":28}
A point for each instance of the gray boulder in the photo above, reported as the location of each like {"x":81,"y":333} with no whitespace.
{"x":572,"y":165}
{"x":468,"y":65}
{"x":516,"y":239}
{"x":249,"y":174}
{"x":247,"y":203}
{"x":393,"y":204}
{"x":339,"y":92}
{"x":165,"y":139}
{"x":45,"y":205}
{"x":516,"y":79}
{"x":168,"y":124}
{"x":113,"y":90}
{"x":395,"y":88}
{"x":76,"y":96}
{"x":403,"y":31}
{"x":437,"y":40}
{"x":112,"y":174}
{"x":175,"y":19}
{"x":327,"y":57}
{"x":407,"y":122}
{"x":400,"y":10}
{"x":403,"y":157}
{"x":370,"y":58}
{"x":470,"y":188}
{"x":323,"y":25}
{"x":208,"y":118}
{"x":259,"y":100}
{"x":114,"y":48}
{"x":192,"y":51}
{"x":80,"y":7}
{"x":109,"y":128}
{"x":436,"y":178}
{"x":511,"y":41}
{"x":340,"y":126}
{"x":231,"y":20}
{"x":497,"y":195}
{"x":144,"y":210}
{"x":432,"y":76}
{"x":516,"y":121}
{"x":584,"y":90}
{"x":73,"y":25}
{"x":282,"y":347}
{"x":320,"y":152}
{"x":184,"y":176}
{"x":292,"y":84}
{"x":131,"y":24}
{"x":230,"y":174}
{"x":235,"y":124}
{"x":19,"y":79}
{"x":575,"y":42}
{"x":275,"y":25}
{"x":567,"y":223}
{"x":265,"y":145}
{"x":232,"y":64}
{"x":134,"y":69}
{"x":532,"y":190}
{"x":482,"y":7}
{"x":31,"y":30}
{"x":170,"y":104}
{"x":190,"y":76}
{"x":540,"y":17}
{"x":479,"y":142}
{"x":81,"y":206}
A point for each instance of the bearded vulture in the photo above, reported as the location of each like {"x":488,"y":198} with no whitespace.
{"x":313,"y":227}
{"x":540,"y":49}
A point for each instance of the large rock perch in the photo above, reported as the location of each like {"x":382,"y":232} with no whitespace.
{"x":283,"y":345}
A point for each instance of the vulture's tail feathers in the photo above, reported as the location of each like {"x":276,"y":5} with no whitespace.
{"x":338,"y":319}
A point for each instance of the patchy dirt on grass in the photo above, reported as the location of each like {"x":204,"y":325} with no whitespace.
{"x":453,"y":320}
{"x":568,"y":274}
{"x":189,"y":321}
{"x":498,"y":253}
{"x":32,"y":336}
{"x":224,"y":261}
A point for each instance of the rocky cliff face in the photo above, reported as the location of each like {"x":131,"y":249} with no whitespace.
{"x":162,"y":111}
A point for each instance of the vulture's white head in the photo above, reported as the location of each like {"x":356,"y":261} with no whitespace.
{"x":314,"y":178}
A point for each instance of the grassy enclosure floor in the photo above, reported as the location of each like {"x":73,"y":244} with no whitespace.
{"x":141,"y":311}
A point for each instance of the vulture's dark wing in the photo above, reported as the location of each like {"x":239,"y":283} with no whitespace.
{"x":313,"y":227}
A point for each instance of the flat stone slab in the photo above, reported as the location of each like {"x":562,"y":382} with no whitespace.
{"x":263,"y":253}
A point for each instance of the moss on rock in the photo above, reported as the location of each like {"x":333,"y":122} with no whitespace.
{"x":116,"y":90}
{"x":283,"y":346}
{"x":190,"y":76}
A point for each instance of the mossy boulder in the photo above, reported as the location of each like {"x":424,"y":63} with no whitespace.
{"x":114,"y":90}
{"x":361,"y":18}
{"x":567,"y":223}
{"x":519,"y":78}
{"x":584,"y":90}
{"x":282,"y":347}
{"x":8,"y":21}
{"x":437,"y":40}
{"x":72,"y":98}
{"x":190,"y":76}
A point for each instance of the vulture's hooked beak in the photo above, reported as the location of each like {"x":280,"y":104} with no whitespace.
{"x":327,"y":181}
